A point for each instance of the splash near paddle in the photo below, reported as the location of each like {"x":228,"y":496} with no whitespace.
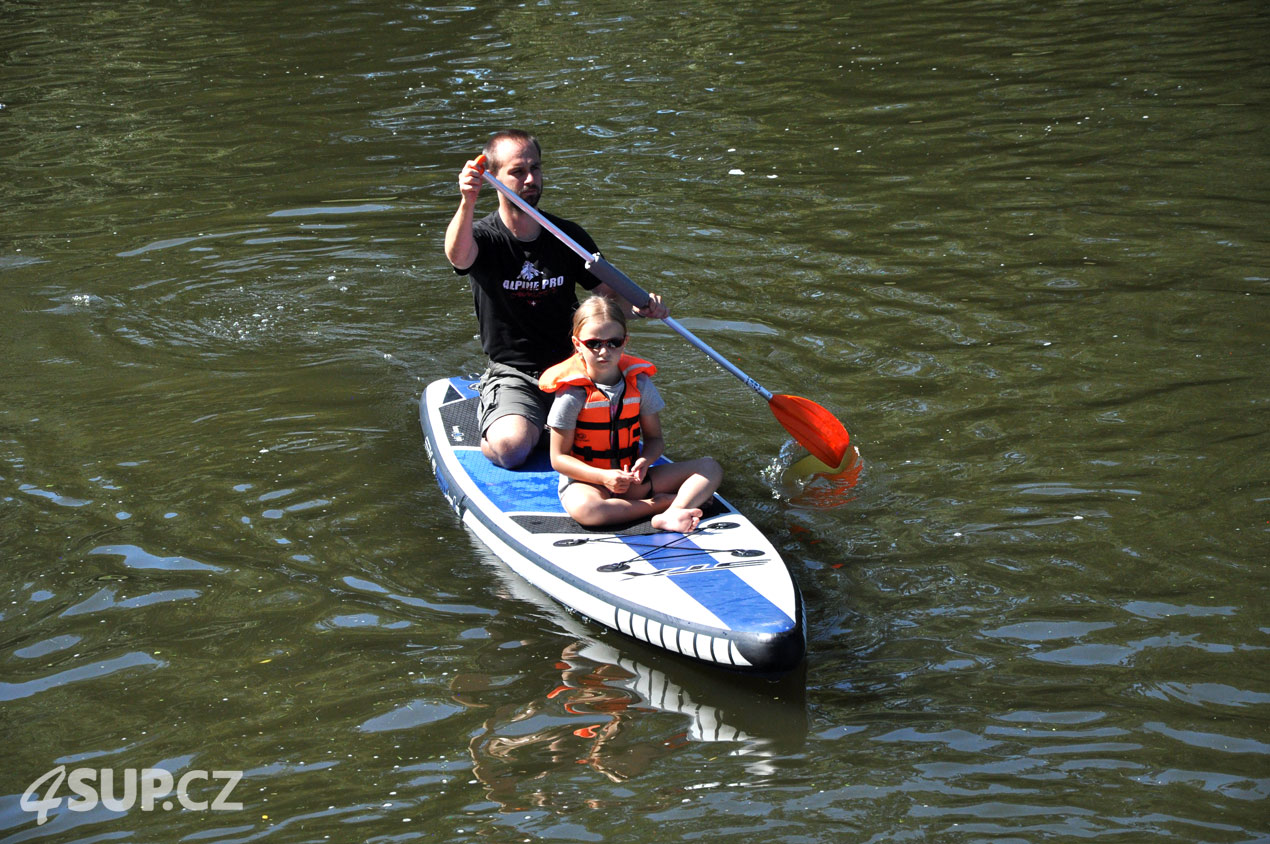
{"x":813,"y":484}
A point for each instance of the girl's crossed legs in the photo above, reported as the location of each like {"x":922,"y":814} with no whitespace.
{"x":672,"y":493}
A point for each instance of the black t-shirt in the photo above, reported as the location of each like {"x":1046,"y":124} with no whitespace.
{"x":525,"y":293}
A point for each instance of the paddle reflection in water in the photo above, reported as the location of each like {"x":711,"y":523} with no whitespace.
{"x":809,"y":482}
{"x":591,"y":712}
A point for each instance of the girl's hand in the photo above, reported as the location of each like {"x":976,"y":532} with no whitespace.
{"x":617,"y":481}
{"x":639,"y":471}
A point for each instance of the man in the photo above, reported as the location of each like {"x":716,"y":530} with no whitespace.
{"x":524,"y":284}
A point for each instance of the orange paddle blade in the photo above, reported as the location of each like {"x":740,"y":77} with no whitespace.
{"x":813,"y":427}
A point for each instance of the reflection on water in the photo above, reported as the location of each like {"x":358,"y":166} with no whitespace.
{"x":593,"y":708}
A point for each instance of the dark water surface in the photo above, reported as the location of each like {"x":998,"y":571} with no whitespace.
{"x":1020,"y":249}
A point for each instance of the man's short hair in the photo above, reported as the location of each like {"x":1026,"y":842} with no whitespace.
{"x":518,"y":135}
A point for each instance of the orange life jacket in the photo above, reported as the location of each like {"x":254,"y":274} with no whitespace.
{"x":601,"y":438}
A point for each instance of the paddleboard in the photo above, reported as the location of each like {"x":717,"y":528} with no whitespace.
{"x":720,"y":594}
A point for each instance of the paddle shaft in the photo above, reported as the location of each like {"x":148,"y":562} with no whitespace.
{"x":622,"y":285}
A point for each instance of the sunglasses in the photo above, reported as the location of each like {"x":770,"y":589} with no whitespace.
{"x":596,"y":343}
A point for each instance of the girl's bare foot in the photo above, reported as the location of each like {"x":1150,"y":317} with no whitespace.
{"x":677,"y":520}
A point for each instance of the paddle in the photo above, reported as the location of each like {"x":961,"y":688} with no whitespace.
{"x":813,"y":427}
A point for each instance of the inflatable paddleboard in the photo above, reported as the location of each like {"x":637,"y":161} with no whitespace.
{"x":720,"y":594}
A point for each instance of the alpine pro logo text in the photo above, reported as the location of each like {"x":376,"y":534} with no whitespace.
{"x":132,"y":788}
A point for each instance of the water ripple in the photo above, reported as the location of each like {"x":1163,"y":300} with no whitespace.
{"x":93,"y":671}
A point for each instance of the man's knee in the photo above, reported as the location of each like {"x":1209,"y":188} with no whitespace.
{"x":507,"y":454}
{"x":509,"y":440}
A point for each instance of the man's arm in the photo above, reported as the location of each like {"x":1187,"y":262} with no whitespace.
{"x":460,"y":245}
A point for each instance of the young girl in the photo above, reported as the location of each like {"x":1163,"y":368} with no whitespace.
{"x":606,"y":433}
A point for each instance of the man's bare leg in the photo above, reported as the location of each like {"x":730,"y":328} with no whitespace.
{"x":509,"y":440}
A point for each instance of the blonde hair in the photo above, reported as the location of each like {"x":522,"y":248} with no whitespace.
{"x":598,"y":308}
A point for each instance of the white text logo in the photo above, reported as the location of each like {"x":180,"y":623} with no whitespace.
{"x":94,"y":786}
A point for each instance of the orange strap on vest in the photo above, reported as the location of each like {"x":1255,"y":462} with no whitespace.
{"x":601,"y":438}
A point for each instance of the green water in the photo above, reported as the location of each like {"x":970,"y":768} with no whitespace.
{"x":1020,"y":250}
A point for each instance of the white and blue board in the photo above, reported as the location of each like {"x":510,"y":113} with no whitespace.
{"x":720,"y":594}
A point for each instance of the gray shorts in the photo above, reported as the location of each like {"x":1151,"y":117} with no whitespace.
{"x":506,"y":391}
